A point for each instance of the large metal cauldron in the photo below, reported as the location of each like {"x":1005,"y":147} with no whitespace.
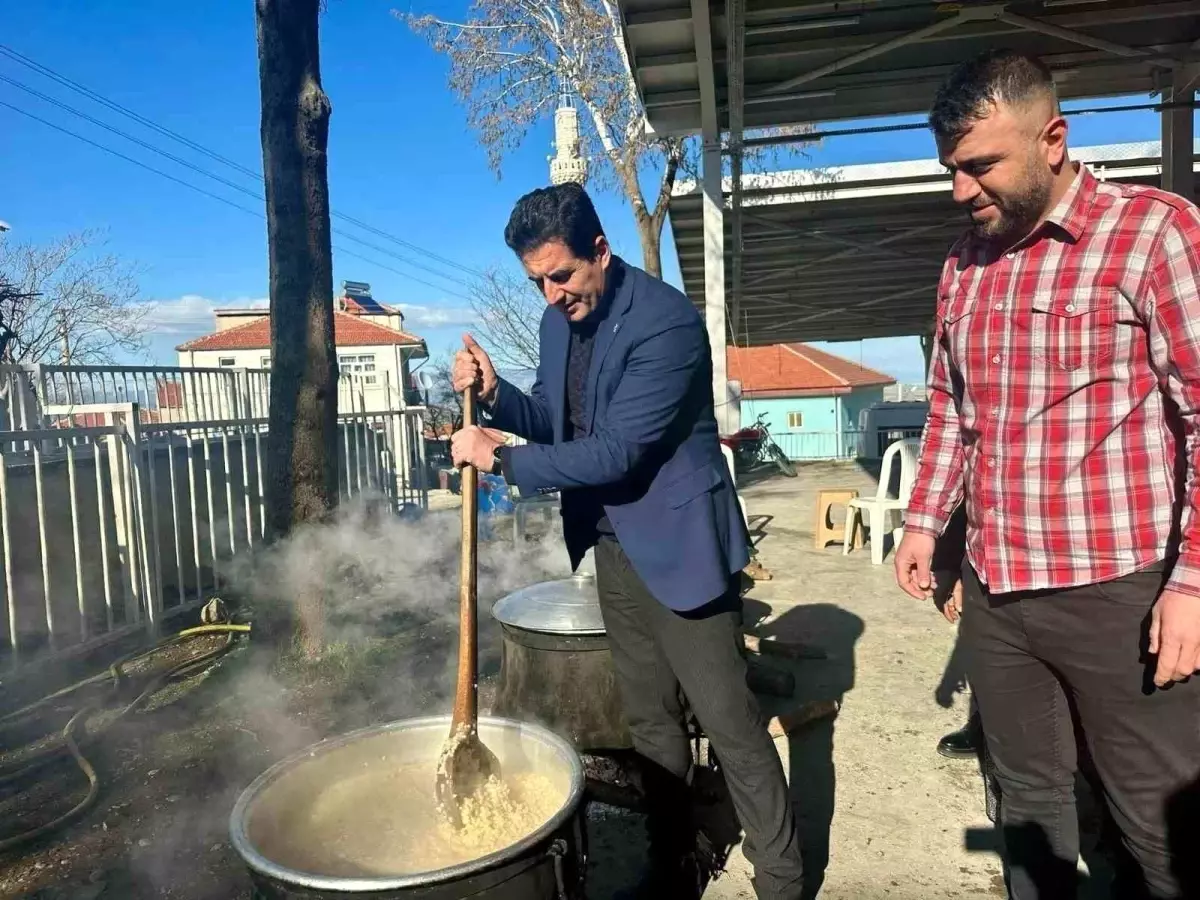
{"x":548,"y":863}
{"x":556,"y":668}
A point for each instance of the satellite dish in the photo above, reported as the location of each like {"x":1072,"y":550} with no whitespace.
{"x":425,"y":380}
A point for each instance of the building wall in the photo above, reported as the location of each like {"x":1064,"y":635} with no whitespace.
{"x":387,"y":365}
{"x":824,"y":429}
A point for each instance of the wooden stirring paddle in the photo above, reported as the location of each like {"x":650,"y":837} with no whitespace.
{"x":465,"y":764}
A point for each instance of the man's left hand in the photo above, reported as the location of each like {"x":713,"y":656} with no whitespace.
{"x":1175,"y":637}
{"x":475,"y":446}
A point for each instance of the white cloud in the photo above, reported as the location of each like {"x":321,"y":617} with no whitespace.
{"x":436,"y":316}
{"x":191,"y":314}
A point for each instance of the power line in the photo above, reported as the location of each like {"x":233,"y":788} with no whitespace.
{"x":47,"y":72}
{"x":237,"y":187}
{"x":219,"y":198}
{"x":195,"y":168}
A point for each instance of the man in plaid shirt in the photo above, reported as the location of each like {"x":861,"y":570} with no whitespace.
{"x":1064,"y":398}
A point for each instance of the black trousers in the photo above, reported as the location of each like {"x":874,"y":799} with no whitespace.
{"x":658,"y":654}
{"x":1052,"y":667}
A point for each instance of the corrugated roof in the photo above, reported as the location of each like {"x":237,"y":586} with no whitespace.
{"x":349,"y":330}
{"x":797,"y":368}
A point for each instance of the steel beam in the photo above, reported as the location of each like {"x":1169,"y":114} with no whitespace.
{"x":1072,"y":36}
{"x":981,"y":12}
{"x":1178,"y":136}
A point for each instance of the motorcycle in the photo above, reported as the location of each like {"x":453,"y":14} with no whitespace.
{"x":753,"y":446}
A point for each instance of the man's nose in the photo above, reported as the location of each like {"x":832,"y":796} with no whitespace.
{"x":966,"y":188}
{"x":554,"y":293}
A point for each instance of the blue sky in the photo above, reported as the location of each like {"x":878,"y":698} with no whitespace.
{"x":401,"y":158}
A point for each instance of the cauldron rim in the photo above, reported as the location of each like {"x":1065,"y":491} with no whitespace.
{"x":251,"y":856}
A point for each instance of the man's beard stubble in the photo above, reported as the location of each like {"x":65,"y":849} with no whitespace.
{"x":1019,"y":211}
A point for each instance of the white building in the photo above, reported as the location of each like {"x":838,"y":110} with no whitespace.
{"x":372,"y":346}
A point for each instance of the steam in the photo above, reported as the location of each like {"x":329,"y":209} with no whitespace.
{"x":389,"y":586}
{"x":374,"y":572}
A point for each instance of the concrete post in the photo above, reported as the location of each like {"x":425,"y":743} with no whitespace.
{"x":714,"y":280}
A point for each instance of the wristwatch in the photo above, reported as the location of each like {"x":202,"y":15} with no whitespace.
{"x":497,"y":461}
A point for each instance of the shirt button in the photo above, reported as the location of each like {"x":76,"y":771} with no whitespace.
{"x":1010,"y":255}
{"x":1070,"y":307}
{"x":996,"y":358}
{"x":999,"y":306}
{"x":991,"y":464}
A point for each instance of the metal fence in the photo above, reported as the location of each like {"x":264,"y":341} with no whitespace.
{"x":111,"y":519}
{"x":820,"y":445}
{"x":854,"y":443}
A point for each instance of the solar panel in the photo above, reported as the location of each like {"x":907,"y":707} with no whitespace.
{"x":360,"y":293}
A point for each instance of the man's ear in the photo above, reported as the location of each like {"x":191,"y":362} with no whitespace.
{"x":603,"y":250}
{"x":1054,"y":140}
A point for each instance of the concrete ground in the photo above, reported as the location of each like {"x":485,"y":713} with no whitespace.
{"x":895,"y":819}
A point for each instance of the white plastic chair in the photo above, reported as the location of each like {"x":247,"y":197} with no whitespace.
{"x":885,"y":506}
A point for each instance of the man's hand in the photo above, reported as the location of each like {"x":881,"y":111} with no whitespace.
{"x":953,"y":608}
{"x":1175,"y":637}
{"x":913,"y":560}
{"x":472,"y":366}
{"x":475,"y":446}
{"x":947,"y":594}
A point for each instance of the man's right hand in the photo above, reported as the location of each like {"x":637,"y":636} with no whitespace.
{"x":472,"y":366}
{"x":914,"y":557}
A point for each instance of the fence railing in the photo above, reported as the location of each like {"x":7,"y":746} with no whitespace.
{"x":820,"y":445}
{"x":40,"y":396}
{"x":111,"y":519}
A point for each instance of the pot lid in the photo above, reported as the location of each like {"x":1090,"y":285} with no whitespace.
{"x":566,"y":606}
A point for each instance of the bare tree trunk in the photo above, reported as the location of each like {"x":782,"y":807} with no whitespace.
{"x":301,"y":473}
{"x":650,"y":236}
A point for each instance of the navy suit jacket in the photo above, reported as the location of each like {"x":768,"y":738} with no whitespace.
{"x":650,"y":454}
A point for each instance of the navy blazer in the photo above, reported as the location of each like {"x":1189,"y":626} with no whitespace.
{"x":650,"y":454}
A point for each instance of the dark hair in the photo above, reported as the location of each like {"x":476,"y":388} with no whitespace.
{"x":994,"y":76}
{"x":563,"y":212}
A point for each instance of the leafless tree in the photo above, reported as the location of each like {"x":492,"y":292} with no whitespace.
{"x":507,"y":312}
{"x":68,"y":302}
{"x":301,"y":462}
{"x":443,"y":406}
{"x":510,"y":62}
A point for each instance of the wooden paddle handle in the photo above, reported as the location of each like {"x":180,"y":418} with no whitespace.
{"x":467,"y":694}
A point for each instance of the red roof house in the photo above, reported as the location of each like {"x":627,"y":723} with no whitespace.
{"x":811,"y":400}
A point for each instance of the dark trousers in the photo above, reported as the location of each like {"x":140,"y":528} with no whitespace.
{"x":1052,"y":667}
{"x":657,"y":654}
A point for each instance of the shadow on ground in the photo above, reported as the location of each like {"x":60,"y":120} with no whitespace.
{"x":811,"y":771}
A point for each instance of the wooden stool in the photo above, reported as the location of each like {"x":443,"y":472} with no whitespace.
{"x":825,"y":531}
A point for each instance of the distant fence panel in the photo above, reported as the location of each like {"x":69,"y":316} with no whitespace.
{"x":848,"y":444}
{"x":107,"y":528}
{"x":819,"y":445}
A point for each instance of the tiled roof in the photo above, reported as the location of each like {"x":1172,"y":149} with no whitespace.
{"x":349,"y":330}
{"x":797,"y":369}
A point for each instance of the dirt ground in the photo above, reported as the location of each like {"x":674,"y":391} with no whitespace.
{"x":883,"y":815}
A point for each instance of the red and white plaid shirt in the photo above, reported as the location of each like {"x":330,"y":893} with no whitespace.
{"x":1065,"y":394}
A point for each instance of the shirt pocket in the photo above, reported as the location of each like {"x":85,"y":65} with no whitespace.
{"x":955,"y":313}
{"x":1070,"y":332}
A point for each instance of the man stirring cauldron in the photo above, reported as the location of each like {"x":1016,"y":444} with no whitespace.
{"x":620,"y":421}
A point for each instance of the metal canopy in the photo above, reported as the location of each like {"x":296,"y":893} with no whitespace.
{"x":854,"y":256}
{"x":810,"y":61}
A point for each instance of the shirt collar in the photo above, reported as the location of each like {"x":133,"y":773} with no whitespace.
{"x":1071,"y":213}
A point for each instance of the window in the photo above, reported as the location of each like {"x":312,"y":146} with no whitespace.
{"x":227,"y":361}
{"x":795,"y":420}
{"x":264,"y":362}
{"x":362,"y":365}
